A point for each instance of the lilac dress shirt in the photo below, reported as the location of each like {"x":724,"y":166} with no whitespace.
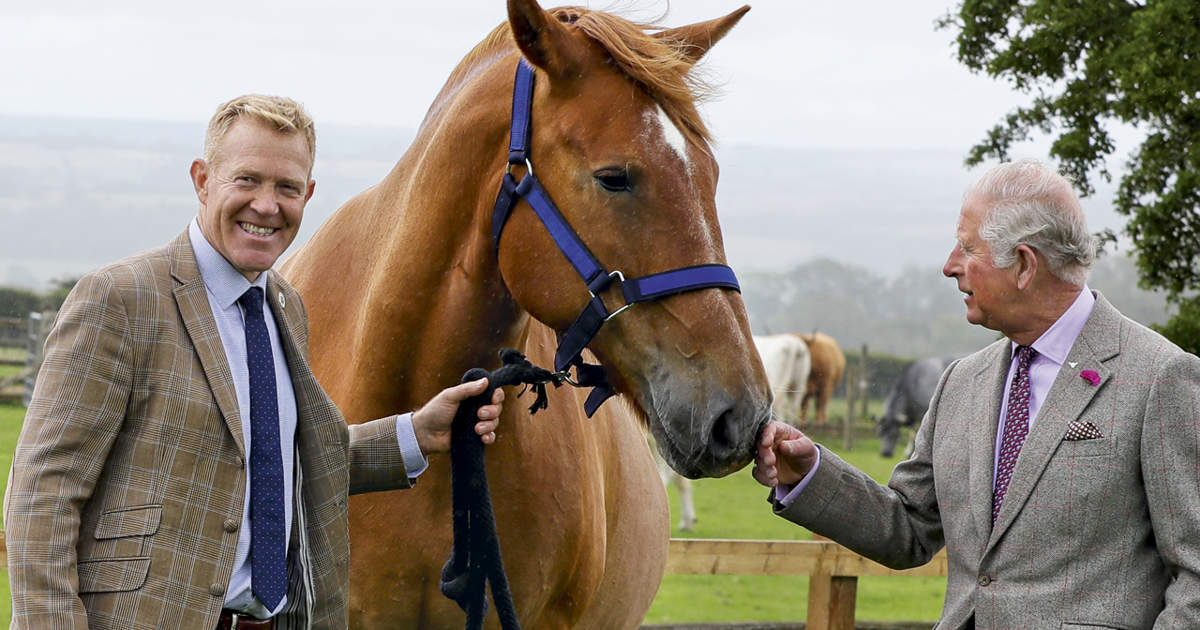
{"x":1052,"y":349}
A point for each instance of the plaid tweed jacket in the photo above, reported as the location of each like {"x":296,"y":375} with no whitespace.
{"x":1094,"y":533}
{"x":128,"y":481}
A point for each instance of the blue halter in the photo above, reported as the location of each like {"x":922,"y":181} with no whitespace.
{"x":595,"y":276}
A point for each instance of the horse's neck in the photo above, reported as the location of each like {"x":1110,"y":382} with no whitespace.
{"x":421,"y":272}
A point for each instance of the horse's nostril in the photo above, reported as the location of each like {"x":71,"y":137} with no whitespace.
{"x":722,"y":441}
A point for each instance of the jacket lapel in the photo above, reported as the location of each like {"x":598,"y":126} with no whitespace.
{"x":192,"y":300}
{"x":983,"y":437}
{"x":1066,"y":401}
{"x":290,"y":322}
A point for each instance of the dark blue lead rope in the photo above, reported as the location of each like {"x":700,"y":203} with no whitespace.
{"x":475,"y":558}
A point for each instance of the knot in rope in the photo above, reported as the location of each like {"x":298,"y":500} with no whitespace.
{"x":475,"y":557}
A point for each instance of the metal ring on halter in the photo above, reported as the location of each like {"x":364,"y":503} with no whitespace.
{"x":612,"y":274}
{"x":616,"y":273}
{"x":619,"y":311}
{"x":565,"y":375}
{"x":528,"y":167}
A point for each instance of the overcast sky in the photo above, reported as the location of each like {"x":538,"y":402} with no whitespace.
{"x":858,"y":73}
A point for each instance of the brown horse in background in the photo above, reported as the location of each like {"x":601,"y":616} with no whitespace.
{"x":405,"y":292}
{"x":828,"y":365}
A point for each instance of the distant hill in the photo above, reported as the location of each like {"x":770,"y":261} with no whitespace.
{"x":76,"y":194}
{"x":917,"y":313}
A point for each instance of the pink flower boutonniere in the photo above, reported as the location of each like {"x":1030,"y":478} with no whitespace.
{"x":1090,"y":376}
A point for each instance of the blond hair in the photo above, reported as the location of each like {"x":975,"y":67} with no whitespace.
{"x":279,"y":112}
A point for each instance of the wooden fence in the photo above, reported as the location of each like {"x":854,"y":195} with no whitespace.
{"x":833,"y":570}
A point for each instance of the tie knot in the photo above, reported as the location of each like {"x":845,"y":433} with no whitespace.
{"x":252,"y":301}
{"x":1025,"y":355}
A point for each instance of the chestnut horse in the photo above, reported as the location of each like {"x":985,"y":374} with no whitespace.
{"x":406,"y":291}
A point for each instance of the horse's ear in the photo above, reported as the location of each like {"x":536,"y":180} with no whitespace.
{"x":694,"y":40}
{"x":542,"y":38}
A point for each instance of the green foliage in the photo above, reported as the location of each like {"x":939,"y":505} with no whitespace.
{"x":16,"y":302}
{"x":882,"y":371}
{"x":1184,"y":328}
{"x":1088,"y":64}
{"x":58,"y":293}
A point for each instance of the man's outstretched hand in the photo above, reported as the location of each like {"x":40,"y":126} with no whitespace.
{"x":785,"y":455}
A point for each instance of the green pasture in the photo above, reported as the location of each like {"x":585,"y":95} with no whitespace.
{"x":10,"y":426}
{"x":731,"y":507}
{"x":736,"y":507}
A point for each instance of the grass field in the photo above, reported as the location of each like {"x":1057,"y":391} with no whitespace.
{"x":732,"y":507}
{"x":10,"y":428}
{"x":736,"y":507}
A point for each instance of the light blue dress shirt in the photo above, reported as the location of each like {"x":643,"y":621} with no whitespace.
{"x":224,"y":285}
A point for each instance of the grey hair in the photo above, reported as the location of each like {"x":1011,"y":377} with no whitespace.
{"x":1029,"y":203}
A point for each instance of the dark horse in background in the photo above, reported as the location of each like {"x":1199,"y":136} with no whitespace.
{"x":908,"y":401}
{"x":406,"y":291}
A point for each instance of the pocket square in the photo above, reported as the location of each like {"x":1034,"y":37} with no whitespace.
{"x":1082,"y":431}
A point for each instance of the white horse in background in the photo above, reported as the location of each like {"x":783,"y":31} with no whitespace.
{"x":788,"y":362}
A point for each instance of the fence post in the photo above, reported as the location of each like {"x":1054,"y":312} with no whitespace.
{"x":862,"y":380}
{"x":831,"y":600}
{"x":848,"y":425}
{"x":39,"y":327}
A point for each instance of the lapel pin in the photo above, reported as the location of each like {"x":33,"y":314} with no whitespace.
{"x":1070,"y":363}
{"x":1090,"y":376}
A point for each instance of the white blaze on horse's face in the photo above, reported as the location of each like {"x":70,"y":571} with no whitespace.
{"x":669,"y":134}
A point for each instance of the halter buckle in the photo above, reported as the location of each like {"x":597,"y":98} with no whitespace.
{"x":614,"y":274}
{"x":528,"y":167}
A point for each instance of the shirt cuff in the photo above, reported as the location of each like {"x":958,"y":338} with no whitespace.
{"x":785,"y":494}
{"x":414,"y":460}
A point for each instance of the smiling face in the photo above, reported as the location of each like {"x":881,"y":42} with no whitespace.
{"x":992,"y":297}
{"x":252,"y":197}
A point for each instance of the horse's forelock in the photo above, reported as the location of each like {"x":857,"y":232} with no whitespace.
{"x":656,"y":64}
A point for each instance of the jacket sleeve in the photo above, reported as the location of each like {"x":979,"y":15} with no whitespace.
{"x":376,"y":462}
{"x":897,"y":525}
{"x":77,"y":409}
{"x":1170,"y":452}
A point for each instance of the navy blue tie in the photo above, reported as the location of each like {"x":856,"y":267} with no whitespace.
{"x":268,"y":557}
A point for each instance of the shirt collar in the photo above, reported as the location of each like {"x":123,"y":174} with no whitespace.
{"x":1056,"y":343}
{"x":225,"y":283}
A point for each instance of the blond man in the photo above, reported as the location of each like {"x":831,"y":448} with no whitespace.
{"x":179,"y":466}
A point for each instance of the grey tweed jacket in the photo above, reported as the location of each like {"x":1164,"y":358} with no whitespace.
{"x":128,"y":482}
{"x":1094,"y":533}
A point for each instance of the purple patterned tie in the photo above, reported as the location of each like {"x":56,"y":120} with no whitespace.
{"x":1016,"y":426}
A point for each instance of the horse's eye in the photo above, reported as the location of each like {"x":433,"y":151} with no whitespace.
{"x":613,"y":179}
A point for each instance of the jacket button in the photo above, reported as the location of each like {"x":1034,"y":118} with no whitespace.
{"x":216,"y":590}
{"x":231,"y":525}
{"x":984,"y":580}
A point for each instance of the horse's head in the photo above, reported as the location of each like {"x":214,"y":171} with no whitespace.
{"x":888,"y":425}
{"x":620,"y":148}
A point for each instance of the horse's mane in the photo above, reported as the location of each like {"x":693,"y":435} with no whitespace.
{"x":655,"y":64}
